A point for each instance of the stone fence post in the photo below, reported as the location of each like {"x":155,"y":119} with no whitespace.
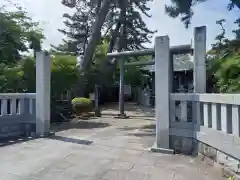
{"x":199,"y":71}
{"x":43,"y":78}
{"x":199,"y":59}
{"x":162,"y":89}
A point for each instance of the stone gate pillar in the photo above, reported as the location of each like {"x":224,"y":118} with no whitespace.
{"x":162,"y":90}
{"x":43,"y":78}
{"x":199,"y":73}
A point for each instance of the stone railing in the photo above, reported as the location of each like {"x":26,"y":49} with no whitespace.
{"x":18,"y":114}
{"x":212,"y":119}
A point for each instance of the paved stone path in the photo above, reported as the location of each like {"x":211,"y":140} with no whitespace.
{"x":118,"y":152}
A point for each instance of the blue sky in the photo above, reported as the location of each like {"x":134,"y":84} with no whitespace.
{"x":49,"y":14}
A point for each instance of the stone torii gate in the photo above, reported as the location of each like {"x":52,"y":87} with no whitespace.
{"x":182,"y":49}
{"x":163,"y":72}
{"x":164,"y":78}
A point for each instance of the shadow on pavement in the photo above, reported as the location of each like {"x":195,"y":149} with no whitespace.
{"x":128,"y":106}
{"x":146,"y":128}
{"x":149,"y":126}
{"x":140,"y":131}
{"x":11,"y":141}
{"x":126,"y":128}
{"x":79,"y":125}
{"x":142,"y":118}
{"x":71,"y":140}
{"x":142,"y":134}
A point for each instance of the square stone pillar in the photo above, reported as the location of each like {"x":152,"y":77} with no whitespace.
{"x":121,"y":114}
{"x":43,"y":78}
{"x":162,"y":90}
{"x":199,"y":73}
{"x":199,"y":70}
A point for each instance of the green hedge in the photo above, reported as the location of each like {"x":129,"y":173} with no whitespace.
{"x":82,"y":105}
{"x":81,"y":100}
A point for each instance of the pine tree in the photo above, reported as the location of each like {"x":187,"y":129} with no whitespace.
{"x":121,"y":22}
{"x":183,"y":8}
{"x":77,"y":31}
{"x":117,"y":21}
{"x":237,"y":31}
{"x":136,"y":33}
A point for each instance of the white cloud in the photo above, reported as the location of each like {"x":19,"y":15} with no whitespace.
{"x":49,"y":13}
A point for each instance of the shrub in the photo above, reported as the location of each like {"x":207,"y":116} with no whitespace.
{"x":82,"y":105}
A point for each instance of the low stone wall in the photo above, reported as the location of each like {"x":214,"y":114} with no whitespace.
{"x":181,"y":145}
{"x":222,"y":158}
{"x":12,"y":126}
{"x":229,"y":165}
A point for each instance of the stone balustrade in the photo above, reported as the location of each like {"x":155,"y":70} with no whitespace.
{"x":17,"y":114}
{"x":213,"y":128}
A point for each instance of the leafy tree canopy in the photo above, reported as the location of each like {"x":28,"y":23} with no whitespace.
{"x":18,"y":33}
{"x":223,"y":62}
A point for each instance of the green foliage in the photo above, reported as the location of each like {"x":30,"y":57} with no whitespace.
{"x":231,"y":178}
{"x":64,"y":74}
{"x":137,"y":32}
{"x":98,"y":71}
{"x":16,"y":31}
{"x":22,"y":77}
{"x":223,"y":63}
{"x":10,"y":79}
{"x":82,"y":105}
{"x":79,"y":26}
{"x":81,"y":100}
{"x":120,"y":25}
{"x":29,"y":75}
{"x":237,"y":31}
{"x":228,"y":74}
{"x":181,"y":8}
{"x":134,"y":75}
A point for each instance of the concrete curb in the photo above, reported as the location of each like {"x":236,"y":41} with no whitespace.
{"x":154,"y":148}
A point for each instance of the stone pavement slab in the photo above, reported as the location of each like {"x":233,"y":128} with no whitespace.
{"x":124,"y":175}
{"x":118,"y":152}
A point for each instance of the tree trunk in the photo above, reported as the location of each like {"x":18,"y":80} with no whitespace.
{"x":91,"y":46}
{"x":114,"y":37}
{"x":123,"y":31}
{"x":96,"y":34}
{"x":117,"y":38}
{"x":116,"y":32}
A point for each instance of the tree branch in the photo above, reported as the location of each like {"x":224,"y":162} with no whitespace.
{"x":236,"y":2}
{"x":96,"y":34}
